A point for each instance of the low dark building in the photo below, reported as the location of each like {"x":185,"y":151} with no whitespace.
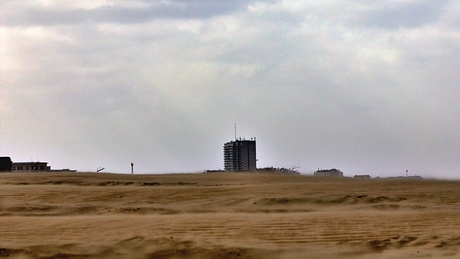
{"x":5,"y":164}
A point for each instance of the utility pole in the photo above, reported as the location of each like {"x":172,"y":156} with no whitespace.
{"x":132,"y":168}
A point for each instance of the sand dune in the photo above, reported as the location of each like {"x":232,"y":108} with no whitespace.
{"x":240,"y":215}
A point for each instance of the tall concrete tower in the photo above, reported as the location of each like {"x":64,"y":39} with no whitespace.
{"x":240,"y":155}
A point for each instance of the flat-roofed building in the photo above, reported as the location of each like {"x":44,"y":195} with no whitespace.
{"x":31,"y":167}
{"x":240,"y":155}
{"x":329,"y":172}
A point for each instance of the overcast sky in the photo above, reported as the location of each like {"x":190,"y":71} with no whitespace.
{"x":365,"y":86}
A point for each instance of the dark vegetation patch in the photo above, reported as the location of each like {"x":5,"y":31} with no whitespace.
{"x":105,"y":183}
{"x":150,"y":184}
{"x":451,"y":242}
{"x":145,"y":210}
{"x":275,"y":211}
{"x":7,"y":252}
{"x":378,"y":245}
{"x":114,"y":183}
{"x":32,"y":209}
{"x":348,"y":199}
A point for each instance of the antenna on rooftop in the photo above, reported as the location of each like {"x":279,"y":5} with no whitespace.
{"x":235,"y":130}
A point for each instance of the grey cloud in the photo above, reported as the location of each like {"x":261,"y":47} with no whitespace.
{"x":198,"y":9}
{"x":402,"y":14}
{"x":314,"y":89}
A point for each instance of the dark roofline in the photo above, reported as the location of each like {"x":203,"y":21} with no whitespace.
{"x":30,"y":162}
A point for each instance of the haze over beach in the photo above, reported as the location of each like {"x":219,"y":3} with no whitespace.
{"x":369,"y":87}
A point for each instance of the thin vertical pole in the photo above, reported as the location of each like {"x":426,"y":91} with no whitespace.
{"x":132,"y":168}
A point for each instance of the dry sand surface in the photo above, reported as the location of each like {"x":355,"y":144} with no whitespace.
{"x":226,"y":215}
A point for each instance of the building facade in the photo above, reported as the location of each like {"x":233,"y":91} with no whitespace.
{"x":240,"y":155}
{"x":31,"y":167}
{"x":329,"y":172}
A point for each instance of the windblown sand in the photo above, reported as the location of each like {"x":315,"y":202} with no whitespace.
{"x":226,"y":215}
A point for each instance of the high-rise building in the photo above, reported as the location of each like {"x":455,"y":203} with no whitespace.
{"x":240,"y":155}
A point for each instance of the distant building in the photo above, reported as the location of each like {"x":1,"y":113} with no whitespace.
{"x":31,"y":167}
{"x":329,"y":172}
{"x":362,"y":176}
{"x":240,"y":155}
{"x":282,"y":170}
{"x":5,"y":164}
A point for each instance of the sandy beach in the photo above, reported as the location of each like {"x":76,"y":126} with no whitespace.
{"x":226,"y":215}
